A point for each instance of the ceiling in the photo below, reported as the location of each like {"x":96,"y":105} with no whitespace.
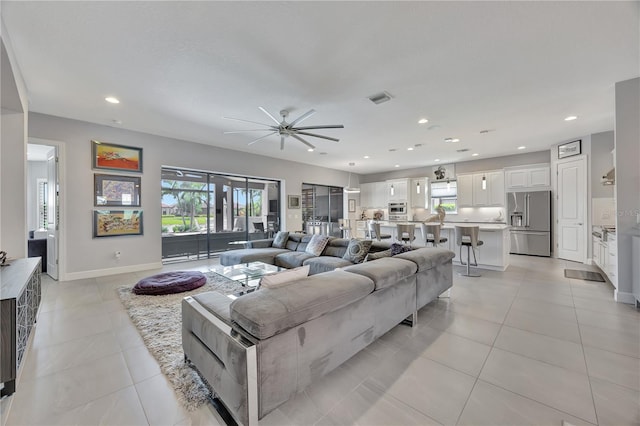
{"x":514,"y":68}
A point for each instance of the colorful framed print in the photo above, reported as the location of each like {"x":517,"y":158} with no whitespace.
{"x":110,"y":156}
{"x":116,"y":190}
{"x":112,"y":223}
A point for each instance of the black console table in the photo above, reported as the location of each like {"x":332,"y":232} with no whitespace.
{"x":20,"y":293}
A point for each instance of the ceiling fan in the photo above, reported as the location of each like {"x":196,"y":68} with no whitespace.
{"x":285,"y":129}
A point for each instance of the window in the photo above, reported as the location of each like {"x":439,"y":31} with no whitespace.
{"x":444,"y":194}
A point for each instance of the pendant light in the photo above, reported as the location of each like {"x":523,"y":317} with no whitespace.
{"x":417,"y":187}
{"x":348,"y":189}
{"x":484,"y":182}
{"x":392,"y":190}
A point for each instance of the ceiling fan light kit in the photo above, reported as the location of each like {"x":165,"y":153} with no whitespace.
{"x":285,"y":129}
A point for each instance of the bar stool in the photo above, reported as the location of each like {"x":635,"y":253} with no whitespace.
{"x":468,"y":236}
{"x":345,"y":227}
{"x":373,"y":229}
{"x":433,"y":230}
{"x":406,"y":233}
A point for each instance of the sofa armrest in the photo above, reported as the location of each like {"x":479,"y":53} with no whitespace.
{"x":264,"y":243}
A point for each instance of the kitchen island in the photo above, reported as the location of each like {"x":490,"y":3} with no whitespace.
{"x":493,"y":254}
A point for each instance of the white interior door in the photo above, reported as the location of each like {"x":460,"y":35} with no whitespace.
{"x":52,"y":213}
{"x":571,"y":202}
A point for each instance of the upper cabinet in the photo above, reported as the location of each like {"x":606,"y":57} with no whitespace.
{"x":398,"y":191}
{"x":535,"y":177}
{"x":418,"y":193}
{"x":481,"y":189}
{"x":373,"y":195}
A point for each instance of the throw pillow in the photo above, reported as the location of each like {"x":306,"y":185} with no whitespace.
{"x":357,"y":250}
{"x":284,"y":278}
{"x":280,"y":240}
{"x":399,"y":248}
{"x":316,"y":245}
{"x":379,"y":255}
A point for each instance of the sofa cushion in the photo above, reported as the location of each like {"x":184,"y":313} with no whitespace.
{"x":357,"y":250}
{"x":284,"y":278}
{"x":266,"y":255}
{"x":317,"y":244}
{"x":280,"y":240}
{"x":325,"y":263}
{"x":336,"y":247}
{"x":378,"y":255}
{"x":301,"y":243}
{"x":384,"y":272}
{"x":267,"y":312}
{"x":428,"y":257}
{"x":291,"y":259}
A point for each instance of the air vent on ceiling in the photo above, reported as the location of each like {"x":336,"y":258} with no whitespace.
{"x":462,"y":150}
{"x":379,"y":98}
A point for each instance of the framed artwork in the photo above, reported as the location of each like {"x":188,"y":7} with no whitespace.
{"x":116,"y":190}
{"x":293,"y":201}
{"x":352,"y":205}
{"x":570,"y":149}
{"x":110,"y":156}
{"x":112,"y":223}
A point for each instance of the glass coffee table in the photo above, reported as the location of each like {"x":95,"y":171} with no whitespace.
{"x":247,"y":274}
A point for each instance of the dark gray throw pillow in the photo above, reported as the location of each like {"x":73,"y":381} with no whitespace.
{"x":357,"y":250}
{"x":280,"y":240}
{"x":399,"y":248}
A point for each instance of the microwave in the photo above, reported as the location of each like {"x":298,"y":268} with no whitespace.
{"x":397,"y":208}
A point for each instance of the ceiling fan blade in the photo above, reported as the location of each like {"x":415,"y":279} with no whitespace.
{"x":326,"y":126}
{"x":260,"y":138}
{"x":281,"y":142}
{"x":318,"y":136}
{"x":303,"y":117}
{"x":249,"y":130}
{"x":270,"y":116}
{"x":303,"y":141}
{"x":247,"y":121}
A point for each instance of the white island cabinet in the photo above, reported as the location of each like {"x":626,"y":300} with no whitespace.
{"x":493,"y":254}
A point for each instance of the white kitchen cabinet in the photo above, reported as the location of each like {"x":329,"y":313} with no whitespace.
{"x":635,"y":283}
{"x":471,"y":192}
{"x":418,"y":188}
{"x":465,"y":190}
{"x":612,"y":263}
{"x":373,"y":195}
{"x":398,"y":191}
{"x":527,"y":178}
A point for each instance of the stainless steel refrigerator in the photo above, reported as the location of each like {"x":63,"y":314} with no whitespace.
{"x":529,"y":214}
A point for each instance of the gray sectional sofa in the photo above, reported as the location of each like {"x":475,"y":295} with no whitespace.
{"x":294,"y":254}
{"x":261,"y":349}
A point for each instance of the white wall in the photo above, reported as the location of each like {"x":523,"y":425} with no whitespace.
{"x":13,"y":153}
{"x":627,"y":189}
{"x":85,"y":256}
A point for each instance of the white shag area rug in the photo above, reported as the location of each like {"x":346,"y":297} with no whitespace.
{"x":159,"y":321}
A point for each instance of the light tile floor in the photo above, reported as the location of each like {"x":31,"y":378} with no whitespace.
{"x":523,"y":347}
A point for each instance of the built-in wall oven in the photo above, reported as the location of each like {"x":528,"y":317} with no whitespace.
{"x":396,"y":209}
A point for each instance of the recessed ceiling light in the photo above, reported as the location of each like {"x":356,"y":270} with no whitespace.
{"x":397,"y":165}
{"x":475,"y":154}
{"x":366,"y":156}
{"x":410,"y":148}
{"x":571,"y":117}
{"x":522,"y":147}
{"x":310,"y":150}
{"x":422,"y":121}
{"x":450,"y":140}
{"x":112,"y":100}
{"x":436,"y":160}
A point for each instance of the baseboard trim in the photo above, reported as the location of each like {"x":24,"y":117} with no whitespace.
{"x":624,"y":297}
{"x":109,"y":271}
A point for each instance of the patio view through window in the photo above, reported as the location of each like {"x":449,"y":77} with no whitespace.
{"x":205,"y":213}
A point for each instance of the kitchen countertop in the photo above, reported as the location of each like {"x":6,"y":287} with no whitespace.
{"x":484,"y":226}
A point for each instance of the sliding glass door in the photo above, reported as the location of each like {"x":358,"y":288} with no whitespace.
{"x":205,"y":213}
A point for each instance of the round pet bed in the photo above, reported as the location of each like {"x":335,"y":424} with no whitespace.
{"x":170,"y":282}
